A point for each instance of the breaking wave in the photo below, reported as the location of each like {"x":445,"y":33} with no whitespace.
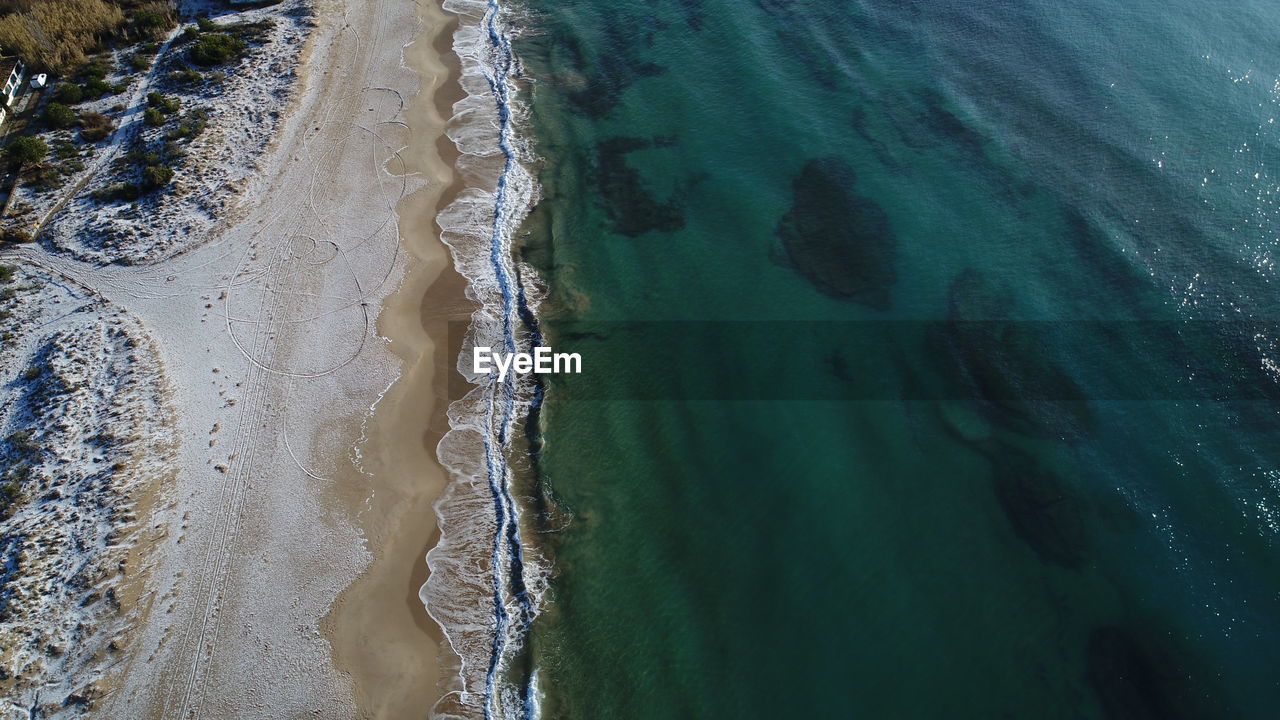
{"x":486,"y":581}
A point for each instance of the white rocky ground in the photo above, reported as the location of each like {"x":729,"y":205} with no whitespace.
{"x":87,"y":438}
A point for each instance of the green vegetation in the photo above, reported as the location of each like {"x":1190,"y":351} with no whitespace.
{"x":23,"y":151}
{"x":139,"y":62}
{"x":189,"y":126}
{"x":215,"y":49}
{"x":153,"y":117}
{"x":164,"y":103}
{"x":6,"y":273}
{"x":68,"y":94}
{"x":185,"y":76}
{"x":121,"y":191}
{"x":156,"y":176}
{"x":58,"y":116}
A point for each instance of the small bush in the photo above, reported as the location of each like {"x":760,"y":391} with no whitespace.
{"x":96,"y":87}
{"x":251,"y":31}
{"x":58,"y":116}
{"x":153,"y":117}
{"x":95,"y":127}
{"x":156,"y":176}
{"x":185,"y":76}
{"x":205,"y":24}
{"x":189,"y":126}
{"x":96,"y":69}
{"x":216,"y":49}
{"x":45,"y":178}
{"x":139,"y":62}
{"x":68,"y":94}
{"x":125,"y":191}
{"x":153,"y":20}
{"x":25,"y":150}
{"x":163,"y":103}
{"x":6,"y":273}
{"x":17,"y":235}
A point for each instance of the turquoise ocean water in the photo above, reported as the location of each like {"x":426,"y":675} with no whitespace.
{"x":929,"y":358}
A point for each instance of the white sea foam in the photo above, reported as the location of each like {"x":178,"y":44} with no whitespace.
{"x":486,"y":582}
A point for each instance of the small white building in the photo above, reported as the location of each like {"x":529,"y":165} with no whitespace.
{"x":11,"y":69}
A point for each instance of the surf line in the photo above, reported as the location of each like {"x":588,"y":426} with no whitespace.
{"x":509,"y":583}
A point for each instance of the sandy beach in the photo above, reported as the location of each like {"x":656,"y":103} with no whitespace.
{"x":283,"y":551}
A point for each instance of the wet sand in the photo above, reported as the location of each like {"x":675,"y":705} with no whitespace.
{"x":381,"y":634}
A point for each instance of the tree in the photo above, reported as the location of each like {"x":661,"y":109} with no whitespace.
{"x":58,"y":116}
{"x":68,"y":94}
{"x":25,"y":150}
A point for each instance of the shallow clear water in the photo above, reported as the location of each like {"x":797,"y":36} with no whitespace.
{"x":927,"y":351}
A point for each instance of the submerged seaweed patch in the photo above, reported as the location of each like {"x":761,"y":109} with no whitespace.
{"x":1043,"y":511}
{"x":1004,"y":365}
{"x":607,"y":75}
{"x":631,"y":208}
{"x":838,"y":240}
{"x":1144,"y":675}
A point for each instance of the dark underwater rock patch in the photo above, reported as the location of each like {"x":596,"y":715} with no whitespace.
{"x":1044,"y":512}
{"x":609,"y":73}
{"x":1004,"y":365}
{"x":631,"y":208}
{"x":836,"y":239}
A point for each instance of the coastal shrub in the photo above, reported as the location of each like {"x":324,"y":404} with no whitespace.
{"x":58,"y":116}
{"x":205,"y":24}
{"x":45,"y":178}
{"x":6,"y":273}
{"x":139,"y":62}
{"x":23,"y":151}
{"x":63,"y":149}
{"x":120,"y":191}
{"x":251,"y":31}
{"x":215,"y":49}
{"x":17,"y":235}
{"x":95,"y":88}
{"x":58,"y":34}
{"x":189,"y":34}
{"x":163,"y":103}
{"x":185,"y":76}
{"x":217,"y":76}
{"x":68,"y":94}
{"x":96,"y":69}
{"x":153,"y":20}
{"x":156,"y":176}
{"x":189,"y":126}
{"x":153,"y":117}
{"x":95,"y":127}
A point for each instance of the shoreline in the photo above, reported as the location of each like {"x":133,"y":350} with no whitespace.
{"x":379,"y":629}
